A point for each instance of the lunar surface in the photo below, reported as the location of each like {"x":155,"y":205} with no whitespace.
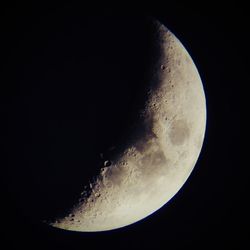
{"x":152,"y":168}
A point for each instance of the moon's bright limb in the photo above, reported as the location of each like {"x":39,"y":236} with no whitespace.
{"x":150,"y":171}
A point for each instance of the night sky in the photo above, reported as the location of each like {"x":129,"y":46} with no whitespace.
{"x":72,"y":82}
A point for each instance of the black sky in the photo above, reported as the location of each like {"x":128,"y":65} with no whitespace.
{"x":44,"y":49}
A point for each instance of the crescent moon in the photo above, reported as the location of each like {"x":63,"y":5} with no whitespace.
{"x":152,"y":168}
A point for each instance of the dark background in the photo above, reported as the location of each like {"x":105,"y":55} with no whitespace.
{"x":72,"y":82}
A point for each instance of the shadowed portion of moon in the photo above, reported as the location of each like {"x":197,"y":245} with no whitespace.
{"x":80,"y":89}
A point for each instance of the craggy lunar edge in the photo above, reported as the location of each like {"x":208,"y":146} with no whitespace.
{"x":151,"y":170}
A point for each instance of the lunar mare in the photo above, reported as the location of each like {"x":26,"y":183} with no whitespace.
{"x":151,"y":170}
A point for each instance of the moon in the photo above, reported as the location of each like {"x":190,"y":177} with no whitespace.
{"x":156,"y":162}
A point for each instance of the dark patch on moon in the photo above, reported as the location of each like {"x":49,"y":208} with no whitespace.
{"x":179,"y":132}
{"x":158,"y":158}
{"x":154,"y":164}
